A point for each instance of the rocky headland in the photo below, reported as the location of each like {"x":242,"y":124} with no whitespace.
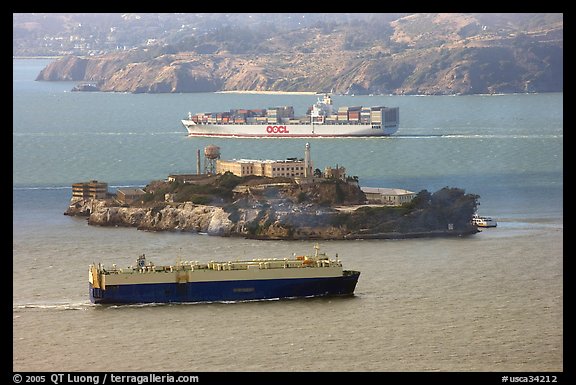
{"x":266,"y":208}
{"x":431,"y":54}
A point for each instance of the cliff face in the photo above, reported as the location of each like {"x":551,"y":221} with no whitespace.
{"x":183,"y":217}
{"x":189,"y":217}
{"x":117,"y":73}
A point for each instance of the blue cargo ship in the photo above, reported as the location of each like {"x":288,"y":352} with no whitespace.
{"x":241,"y":280}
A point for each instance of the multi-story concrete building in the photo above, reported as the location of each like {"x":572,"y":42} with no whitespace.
{"x":291,"y":167}
{"x":90,"y":190}
{"x":270,"y":168}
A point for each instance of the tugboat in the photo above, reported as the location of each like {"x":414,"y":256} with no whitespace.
{"x":239,"y":280}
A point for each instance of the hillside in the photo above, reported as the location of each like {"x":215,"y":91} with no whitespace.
{"x":380,"y":54}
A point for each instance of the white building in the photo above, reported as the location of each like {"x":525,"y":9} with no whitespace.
{"x":388,"y":196}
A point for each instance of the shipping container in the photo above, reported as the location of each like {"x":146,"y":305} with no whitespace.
{"x":376,"y":116}
{"x":355,"y":114}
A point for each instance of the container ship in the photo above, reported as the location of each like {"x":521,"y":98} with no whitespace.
{"x":321,"y":120}
{"x":242,"y":280}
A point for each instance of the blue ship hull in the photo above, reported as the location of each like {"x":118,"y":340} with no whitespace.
{"x":221,"y":291}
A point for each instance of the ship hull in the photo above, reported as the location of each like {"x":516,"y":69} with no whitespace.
{"x":225,"y":291}
{"x":288,"y":130}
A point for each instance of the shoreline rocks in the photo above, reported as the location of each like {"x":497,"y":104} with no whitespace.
{"x":251,"y":223}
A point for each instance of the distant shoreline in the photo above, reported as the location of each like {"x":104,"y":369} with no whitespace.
{"x":269,"y":92}
{"x":36,"y":57}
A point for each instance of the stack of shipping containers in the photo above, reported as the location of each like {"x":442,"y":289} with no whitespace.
{"x":387,"y":116}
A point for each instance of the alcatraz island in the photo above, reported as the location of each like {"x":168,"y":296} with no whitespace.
{"x":275,"y":199}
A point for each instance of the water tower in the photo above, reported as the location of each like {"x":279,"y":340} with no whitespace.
{"x":211,"y":154}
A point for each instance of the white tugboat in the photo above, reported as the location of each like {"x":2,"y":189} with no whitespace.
{"x":481,"y":221}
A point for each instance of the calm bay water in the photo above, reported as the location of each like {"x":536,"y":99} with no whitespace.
{"x":490,"y":302}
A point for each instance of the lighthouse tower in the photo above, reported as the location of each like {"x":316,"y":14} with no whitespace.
{"x":307,"y":162}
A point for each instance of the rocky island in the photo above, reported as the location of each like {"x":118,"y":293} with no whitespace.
{"x":280,"y":208}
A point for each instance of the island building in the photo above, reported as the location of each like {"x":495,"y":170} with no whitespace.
{"x":89,"y":190}
{"x":129,"y":195}
{"x":388,"y":196}
{"x":338,"y":172}
{"x":290,"y":167}
{"x":99,"y":190}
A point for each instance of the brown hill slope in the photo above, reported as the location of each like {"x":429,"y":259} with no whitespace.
{"x":415,"y":54}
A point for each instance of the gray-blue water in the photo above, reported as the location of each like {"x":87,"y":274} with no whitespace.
{"x":489,"y":302}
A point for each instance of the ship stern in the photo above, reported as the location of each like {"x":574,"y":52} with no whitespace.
{"x":96,"y":294}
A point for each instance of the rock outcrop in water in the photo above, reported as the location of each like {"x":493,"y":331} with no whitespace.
{"x":264,"y":210}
